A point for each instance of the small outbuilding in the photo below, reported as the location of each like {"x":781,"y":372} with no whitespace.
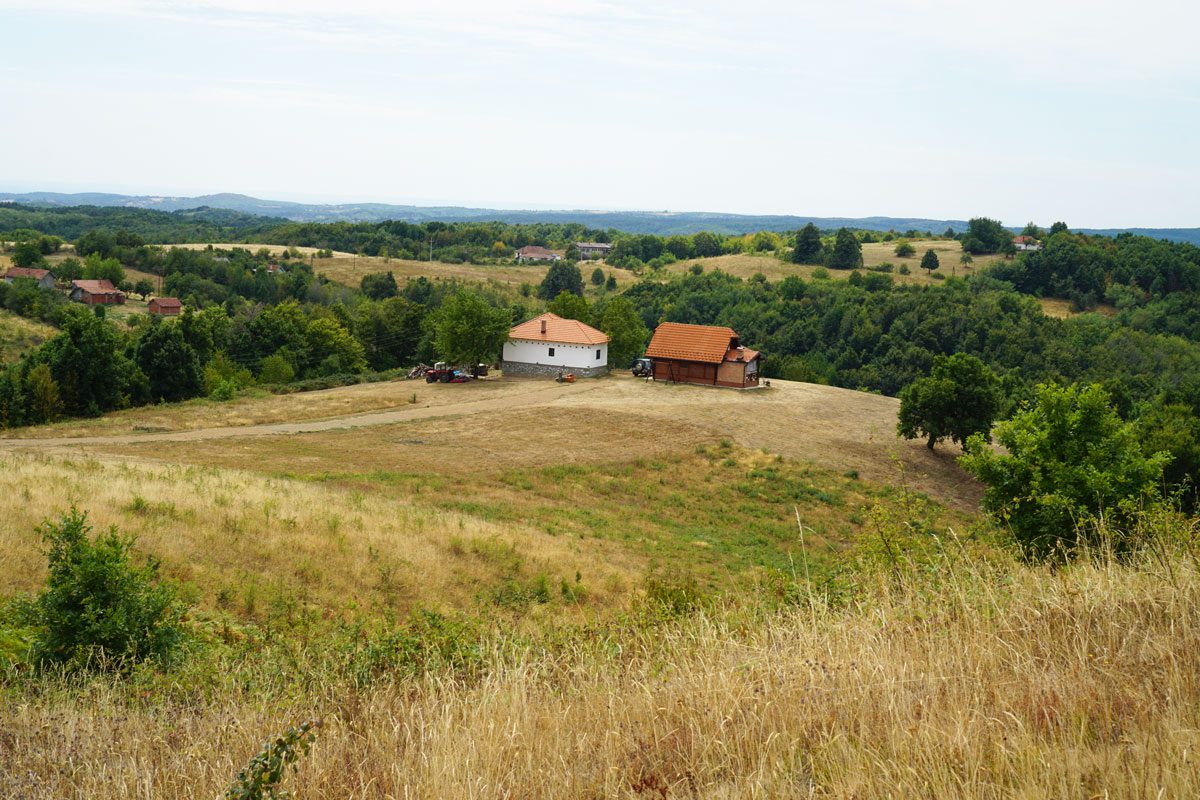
{"x":43,"y":277}
{"x":96,"y":293}
{"x":549,"y":344}
{"x":533,"y":252}
{"x":165,"y":306}
{"x":703,"y":354}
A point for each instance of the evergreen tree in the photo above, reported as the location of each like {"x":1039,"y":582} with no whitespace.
{"x":808,"y":246}
{"x":847,"y":251}
{"x":561,"y":277}
{"x":929,"y":261}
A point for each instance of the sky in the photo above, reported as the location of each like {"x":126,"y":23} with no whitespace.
{"x":1088,"y":112}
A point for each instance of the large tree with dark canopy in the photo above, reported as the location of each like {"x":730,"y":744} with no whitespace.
{"x":958,"y":399}
{"x":561,"y":277}
{"x":808,"y":246}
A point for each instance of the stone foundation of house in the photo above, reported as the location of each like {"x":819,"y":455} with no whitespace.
{"x":521,"y":369}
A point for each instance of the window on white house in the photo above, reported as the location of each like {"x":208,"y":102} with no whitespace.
{"x":597,"y":355}
{"x":551,"y":351}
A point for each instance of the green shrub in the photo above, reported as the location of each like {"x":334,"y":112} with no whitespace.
{"x":98,"y":609}
{"x":261,"y":778}
{"x":904,"y":270}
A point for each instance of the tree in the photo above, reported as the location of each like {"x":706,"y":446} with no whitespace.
{"x":985,"y":236}
{"x":169,"y":363}
{"x":87,"y":361}
{"x":847,"y":251}
{"x":905,"y":249}
{"x":597,"y":277}
{"x":627,"y":333}
{"x":379,"y":285}
{"x":706,"y":244}
{"x":27,"y":254}
{"x":1031,"y":229}
{"x":561,"y":277}
{"x":331,"y":349}
{"x":96,"y":268}
{"x":611,"y":283}
{"x":468,"y":331}
{"x":1174,"y":429}
{"x":41,"y":393}
{"x":1057,"y":228}
{"x":143,"y":287}
{"x":276,"y":369}
{"x":1069,"y":461}
{"x":959,"y":398}
{"x":98,"y":609}
{"x":929,"y":261}
{"x":808,"y":245}
{"x":570,"y":306}
{"x":69,"y":269}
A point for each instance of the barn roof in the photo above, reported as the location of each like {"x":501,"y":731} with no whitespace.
{"x":102,"y":286}
{"x":557,"y":329}
{"x":26,"y":272}
{"x":168,"y":302}
{"x":705,"y":343}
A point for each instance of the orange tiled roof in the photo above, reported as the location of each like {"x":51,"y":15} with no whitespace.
{"x":102,"y":286}
{"x":741,"y":354}
{"x":705,"y":343}
{"x":557,"y":329}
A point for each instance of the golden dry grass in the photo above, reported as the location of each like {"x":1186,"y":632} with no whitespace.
{"x":1008,"y":683}
{"x":1063,"y":309}
{"x":18,"y":335}
{"x":244,"y":541}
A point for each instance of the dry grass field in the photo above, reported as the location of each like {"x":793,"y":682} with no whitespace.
{"x":874,"y":254}
{"x":921,"y":661}
{"x":349,"y":268}
{"x":18,"y":334}
{"x":993,"y":682}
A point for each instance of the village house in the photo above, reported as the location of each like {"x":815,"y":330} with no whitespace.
{"x":703,"y":354}
{"x":96,"y":293}
{"x":592,"y":249}
{"x":549,"y":344}
{"x":1026,"y":243}
{"x":533,"y":252}
{"x":165,"y":306}
{"x":44,"y":278}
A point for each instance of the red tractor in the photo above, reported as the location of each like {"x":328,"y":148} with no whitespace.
{"x":443,"y":373}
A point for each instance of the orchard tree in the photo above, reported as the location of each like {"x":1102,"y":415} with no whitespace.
{"x":960,"y":398}
{"x":929,"y":261}
{"x":468,"y":331}
{"x":561,"y":277}
{"x":808,"y":246}
{"x":847,"y":251}
{"x":1069,"y":460}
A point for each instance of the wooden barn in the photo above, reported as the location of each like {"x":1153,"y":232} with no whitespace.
{"x":703,"y":354}
{"x":165,"y":306}
{"x":96,"y":293}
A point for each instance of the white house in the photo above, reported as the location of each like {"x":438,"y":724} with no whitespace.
{"x":549,"y":344}
{"x":1026,"y":243}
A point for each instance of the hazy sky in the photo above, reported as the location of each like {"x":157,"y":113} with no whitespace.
{"x":1044,"y":110}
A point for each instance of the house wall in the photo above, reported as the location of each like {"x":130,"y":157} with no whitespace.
{"x":738,"y":373}
{"x":568,"y":356}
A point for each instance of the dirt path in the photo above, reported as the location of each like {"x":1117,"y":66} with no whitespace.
{"x":537,"y":394}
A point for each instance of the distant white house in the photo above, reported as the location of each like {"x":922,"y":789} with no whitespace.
{"x":549,"y":344}
{"x":533,"y":252}
{"x":1026,"y":243}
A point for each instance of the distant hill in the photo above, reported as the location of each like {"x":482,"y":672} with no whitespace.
{"x":663,"y":223}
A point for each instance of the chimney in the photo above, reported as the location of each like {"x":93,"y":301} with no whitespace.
{"x":543,"y":327}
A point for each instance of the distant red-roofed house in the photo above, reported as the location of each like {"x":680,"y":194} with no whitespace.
{"x":704,"y":354}
{"x":1026,"y":243}
{"x":550,"y":344}
{"x":96,"y":293}
{"x":165,"y":306}
{"x":44,"y":278}
{"x":533,"y":252}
